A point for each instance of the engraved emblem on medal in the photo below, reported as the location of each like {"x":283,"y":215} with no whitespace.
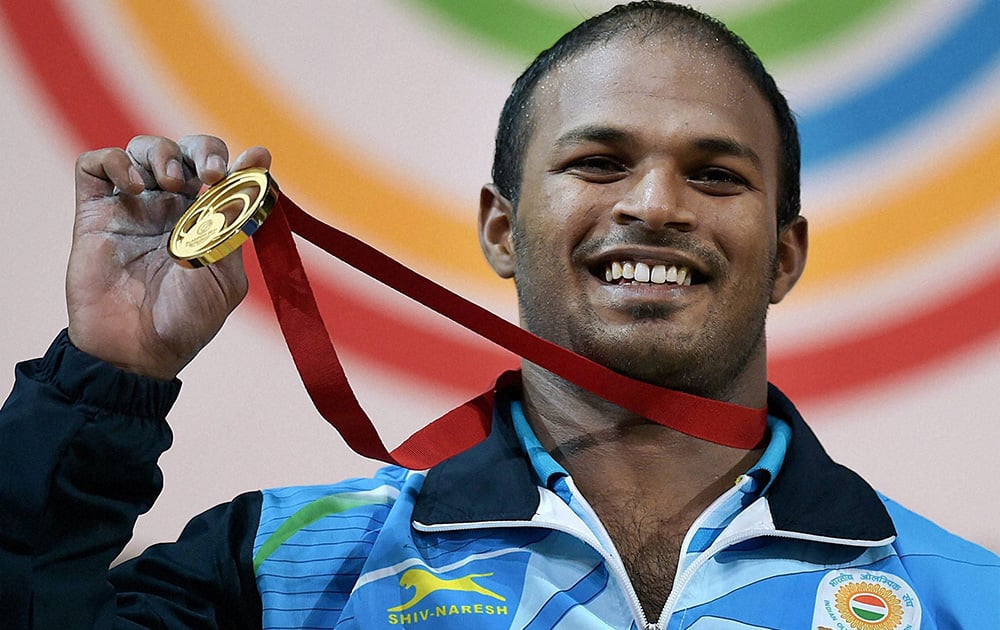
{"x":223,"y":217}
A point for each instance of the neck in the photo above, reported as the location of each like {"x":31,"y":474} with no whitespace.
{"x":611,"y":451}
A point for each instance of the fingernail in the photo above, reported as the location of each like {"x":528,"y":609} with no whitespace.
{"x":135,"y":177}
{"x":174,"y":170}
{"x":216,"y":163}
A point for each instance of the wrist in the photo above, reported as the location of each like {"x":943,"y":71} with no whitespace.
{"x":81,"y":376}
{"x":162,"y":370}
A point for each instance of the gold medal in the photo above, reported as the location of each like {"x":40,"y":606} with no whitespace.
{"x":223,"y":217}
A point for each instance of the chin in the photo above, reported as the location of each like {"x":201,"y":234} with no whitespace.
{"x":645,"y":362}
{"x":698,"y":367}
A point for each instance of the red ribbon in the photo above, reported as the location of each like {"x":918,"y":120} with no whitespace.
{"x":463,"y":427}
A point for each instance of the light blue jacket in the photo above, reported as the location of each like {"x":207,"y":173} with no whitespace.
{"x":495,"y":538}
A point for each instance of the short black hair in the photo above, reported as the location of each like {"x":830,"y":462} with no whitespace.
{"x":643,"y":20}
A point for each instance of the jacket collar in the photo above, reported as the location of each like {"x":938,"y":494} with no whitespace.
{"x":492,"y":481}
{"x":812,"y":495}
{"x":815,"y":495}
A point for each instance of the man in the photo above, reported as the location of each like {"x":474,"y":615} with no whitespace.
{"x":646,"y":205}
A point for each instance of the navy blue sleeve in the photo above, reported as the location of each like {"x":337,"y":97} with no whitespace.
{"x":79,"y":444}
{"x":204,"y":580}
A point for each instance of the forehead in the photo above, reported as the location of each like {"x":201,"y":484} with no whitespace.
{"x":657,"y":85}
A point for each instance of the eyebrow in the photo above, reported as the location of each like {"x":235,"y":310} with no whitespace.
{"x":728,"y":146}
{"x":591,"y":133}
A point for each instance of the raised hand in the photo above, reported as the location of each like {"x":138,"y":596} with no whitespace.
{"x":129,"y":302}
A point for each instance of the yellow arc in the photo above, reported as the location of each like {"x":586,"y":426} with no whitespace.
{"x":330,"y":172}
{"x":913,"y":215}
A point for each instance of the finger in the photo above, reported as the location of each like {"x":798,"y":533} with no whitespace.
{"x":208,"y":155}
{"x":160,"y":161}
{"x":254,"y":156}
{"x":99,"y":173}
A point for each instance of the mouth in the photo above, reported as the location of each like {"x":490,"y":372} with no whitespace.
{"x":647,"y":272}
{"x":633,"y":272}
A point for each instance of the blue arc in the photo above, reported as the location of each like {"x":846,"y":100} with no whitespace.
{"x":950,"y":63}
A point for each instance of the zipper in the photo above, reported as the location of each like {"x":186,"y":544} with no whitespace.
{"x":681,"y":580}
{"x":614,"y":561}
{"x":611,"y":560}
{"x":617,"y":568}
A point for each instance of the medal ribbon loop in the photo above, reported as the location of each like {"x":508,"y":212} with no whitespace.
{"x":461,"y":428}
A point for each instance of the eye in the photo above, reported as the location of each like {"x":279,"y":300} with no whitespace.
{"x":718,"y":181}
{"x":597,"y":168}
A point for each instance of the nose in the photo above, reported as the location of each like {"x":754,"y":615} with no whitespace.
{"x":655,"y":202}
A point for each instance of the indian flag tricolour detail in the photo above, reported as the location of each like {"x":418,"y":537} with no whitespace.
{"x":863,"y":599}
{"x":869,"y":607}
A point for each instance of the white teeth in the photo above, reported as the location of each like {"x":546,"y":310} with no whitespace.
{"x":641,"y":272}
{"x":659,"y":274}
{"x":646,"y":273}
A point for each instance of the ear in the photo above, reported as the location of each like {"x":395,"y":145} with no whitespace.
{"x":793,"y":245}
{"x":496,"y":224}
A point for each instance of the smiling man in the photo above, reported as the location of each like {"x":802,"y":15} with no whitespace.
{"x":645,"y":203}
{"x":645,"y":236}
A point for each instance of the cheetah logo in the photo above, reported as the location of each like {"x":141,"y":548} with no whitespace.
{"x":424,"y":583}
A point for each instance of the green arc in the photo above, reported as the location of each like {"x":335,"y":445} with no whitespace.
{"x":777,"y":31}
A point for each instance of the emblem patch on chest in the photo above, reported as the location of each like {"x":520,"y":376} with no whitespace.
{"x":857,"y":599}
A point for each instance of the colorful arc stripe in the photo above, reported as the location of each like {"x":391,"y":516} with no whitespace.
{"x":49,"y":45}
{"x":346,"y":192}
{"x":778,"y":30}
{"x":330,"y":171}
{"x":955,"y":60}
{"x":912,"y":341}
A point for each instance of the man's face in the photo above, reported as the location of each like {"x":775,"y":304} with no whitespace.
{"x":657,"y":161}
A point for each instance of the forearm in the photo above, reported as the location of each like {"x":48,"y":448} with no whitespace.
{"x":79,"y":441}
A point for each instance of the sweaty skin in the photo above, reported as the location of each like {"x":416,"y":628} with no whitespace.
{"x":663,"y":154}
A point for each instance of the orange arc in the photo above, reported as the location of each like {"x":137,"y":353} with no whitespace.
{"x":402,"y":216}
{"x":912,"y":215}
{"x":365,"y":195}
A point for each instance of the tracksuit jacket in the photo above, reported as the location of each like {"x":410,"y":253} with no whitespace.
{"x":496,"y":537}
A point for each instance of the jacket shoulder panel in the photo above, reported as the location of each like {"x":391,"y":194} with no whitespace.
{"x":313,"y":542}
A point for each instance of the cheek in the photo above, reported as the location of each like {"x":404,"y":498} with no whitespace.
{"x":744,"y":233}
{"x":562,"y":218}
